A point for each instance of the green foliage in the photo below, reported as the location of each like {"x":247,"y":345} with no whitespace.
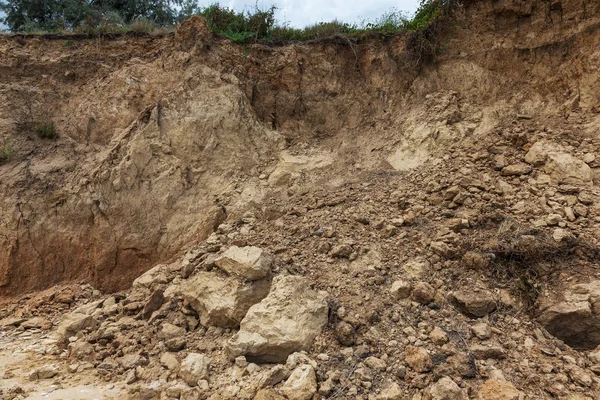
{"x":91,"y":15}
{"x":46,"y":131}
{"x":252,"y":25}
{"x":240,"y":27}
{"x":430,"y":19}
{"x":6,"y":153}
{"x":260,"y":25}
{"x":393,"y":21}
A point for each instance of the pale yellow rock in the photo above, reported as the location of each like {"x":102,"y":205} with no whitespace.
{"x":286,"y":321}
{"x":496,"y":390}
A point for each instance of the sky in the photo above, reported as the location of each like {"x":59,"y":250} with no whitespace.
{"x":300,"y":13}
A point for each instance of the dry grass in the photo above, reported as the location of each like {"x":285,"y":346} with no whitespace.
{"x":524,"y":257}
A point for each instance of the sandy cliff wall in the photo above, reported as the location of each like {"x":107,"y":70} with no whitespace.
{"x":163,"y":138}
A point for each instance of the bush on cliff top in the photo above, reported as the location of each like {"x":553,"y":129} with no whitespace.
{"x":256,"y":25}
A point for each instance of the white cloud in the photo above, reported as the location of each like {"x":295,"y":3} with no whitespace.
{"x":302,"y":13}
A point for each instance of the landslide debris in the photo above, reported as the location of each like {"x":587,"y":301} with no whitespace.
{"x":311,"y":221}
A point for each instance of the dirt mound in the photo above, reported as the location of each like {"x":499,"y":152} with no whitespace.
{"x":432,"y":225}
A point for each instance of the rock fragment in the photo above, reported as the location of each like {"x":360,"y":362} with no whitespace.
{"x":497,"y":390}
{"x":474,"y":303}
{"x":222,"y":301}
{"x":423,"y":293}
{"x":250,"y":263}
{"x":445,"y":389}
{"x":44,"y":372}
{"x":286,"y":321}
{"x":301,"y":385}
{"x":516,"y":169}
{"x":194,"y":368}
{"x":418,"y":358}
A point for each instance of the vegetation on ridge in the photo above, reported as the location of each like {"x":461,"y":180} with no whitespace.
{"x":146,"y":16}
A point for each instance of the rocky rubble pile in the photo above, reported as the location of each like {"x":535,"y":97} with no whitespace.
{"x":472,"y":281}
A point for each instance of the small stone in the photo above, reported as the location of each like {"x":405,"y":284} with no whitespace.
{"x":341,"y":251}
{"x":169,"y":361}
{"x":589,"y":158}
{"x":400,"y":289}
{"x":36,"y":323}
{"x":516,"y":169}
{"x":423,"y":293}
{"x":131,"y":377}
{"x":560,"y":234}
{"x":445,"y":389}
{"x":301,"y":385}
{"x":375,"y":363}
{"x":417,"y":358}
{"x":170,"y":331}
{"x":474,"y":303}
{"x":344,"y":333}
{"x":475,"y":260}
{"x":442,"y":249}
{"x":175,"y":344}
{"x":579,"y":376}
{"x":194,"y":368}
{"x":496,"y":390}
{"x":484,"y":352}
{"x":482,"y":330}
{"x":250,"y":263}
{"x":241,"y":362}
{"x":80,"y":349}
{"x":390,"y":392}
{"x":273,"y":376}
{"x":44,"y":372}
{"x":553,"y":219}
{"x":129,"y":361}
{"x":569,"y":214}
{"x":580,"y":210}
{"x":438,"y":336}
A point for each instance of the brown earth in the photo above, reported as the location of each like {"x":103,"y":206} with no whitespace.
{"x":356,"y":164}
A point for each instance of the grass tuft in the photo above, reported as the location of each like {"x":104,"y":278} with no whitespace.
{"x":46,"y":131}
{"x":6,"y":153}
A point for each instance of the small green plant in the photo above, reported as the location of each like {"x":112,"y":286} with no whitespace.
{"x":6,"y":153}
{"x":46,"y":131}
{"x":240,"y":27}
{"x":142,"y":25}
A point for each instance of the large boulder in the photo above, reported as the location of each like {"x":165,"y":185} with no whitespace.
{"x":560,"y":165}
{"x":250,"y":263}
{"x":286,"y":321}
{"x":222,"y":301}
{"x":576,"y":320}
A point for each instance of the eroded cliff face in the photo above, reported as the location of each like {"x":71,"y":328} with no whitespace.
{"x":163,"y":138}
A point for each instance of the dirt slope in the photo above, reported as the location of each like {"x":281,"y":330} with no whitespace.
{"x":159,"y":135}
{"x":448,"y":208}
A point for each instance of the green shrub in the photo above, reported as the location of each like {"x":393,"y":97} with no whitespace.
{"x":6,"y":153}
{"x":46,"y":131}
{"x":142,"y":25}
{"x":431,"y":18}
{"x":238,"y":26}
{"x":393,"y":21}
